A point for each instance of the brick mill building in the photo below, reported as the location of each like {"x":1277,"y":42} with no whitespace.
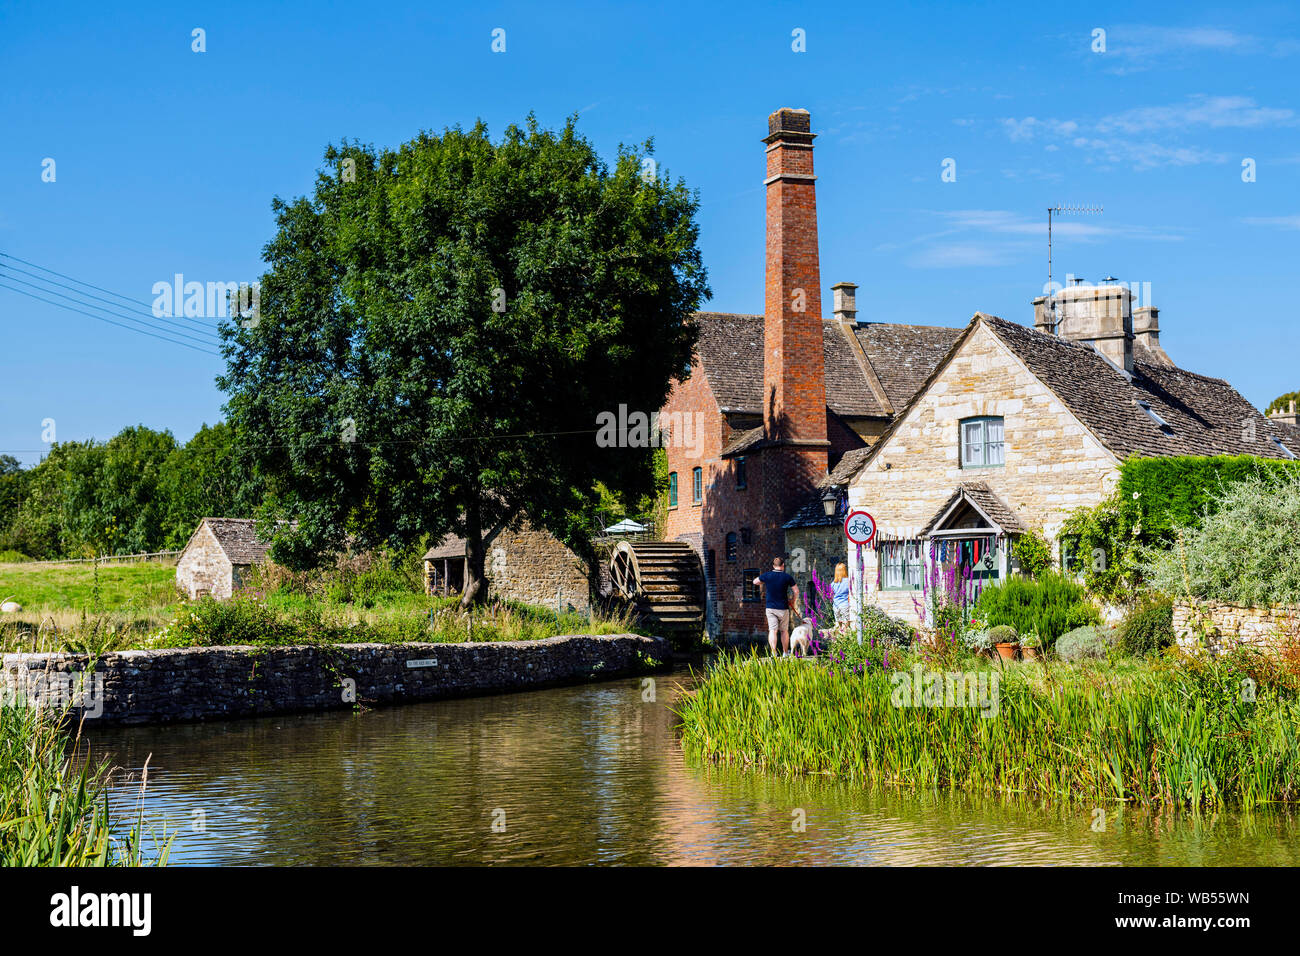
{"x":779,"y":399}
{"x":957,"y":440}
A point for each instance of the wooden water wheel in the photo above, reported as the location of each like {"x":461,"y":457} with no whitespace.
{"x":664,"y":581}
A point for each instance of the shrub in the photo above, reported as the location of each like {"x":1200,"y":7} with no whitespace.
{"x":12,"y":557}
{"x":1034,"y":553}
{"x":879,"y":626}
{"x":1002,"y":634}
{"x":1246,"y":552}
{"x":1148,"y":628}
{"x":1084,"y":642}
{"x":1182,"y":491}
{"x":848,"y":655}
{"x":1050,"y":605}
{"x":1154,"y":499}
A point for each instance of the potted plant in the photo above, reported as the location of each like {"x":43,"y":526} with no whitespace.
{"x":1031,"y":646}
{"x":1004,"y":640}
{"x":977,"y":640}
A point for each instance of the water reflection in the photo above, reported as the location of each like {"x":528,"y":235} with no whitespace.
{"x":594,"y":774}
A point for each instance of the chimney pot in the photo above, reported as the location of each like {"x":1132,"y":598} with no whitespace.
{"x":844,"y":295}
{"x":1146,"y":329}
{"x":787,"y":121}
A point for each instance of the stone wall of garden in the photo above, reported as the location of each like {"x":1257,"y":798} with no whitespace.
{"x":217,"y":683}
{"x":1218,"y":627}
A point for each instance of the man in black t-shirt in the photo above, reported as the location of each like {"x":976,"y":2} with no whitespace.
{"x":776,"y":589}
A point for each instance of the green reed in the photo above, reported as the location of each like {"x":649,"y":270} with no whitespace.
{"x":54,"y":809}
{"x":1153,"y":735}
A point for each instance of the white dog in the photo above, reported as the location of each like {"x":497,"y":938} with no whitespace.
{"x":801,"y":637}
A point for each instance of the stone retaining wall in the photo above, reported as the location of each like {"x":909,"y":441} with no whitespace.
{"x":1217,"y":627}
{"x":217,"y":683}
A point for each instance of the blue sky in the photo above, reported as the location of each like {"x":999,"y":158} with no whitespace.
{"x":166,"y":160}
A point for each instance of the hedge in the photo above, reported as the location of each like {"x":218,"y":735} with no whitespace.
{"x":1177,"y":492}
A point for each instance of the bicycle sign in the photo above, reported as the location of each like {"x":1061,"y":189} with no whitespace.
{"x":859,"y":527}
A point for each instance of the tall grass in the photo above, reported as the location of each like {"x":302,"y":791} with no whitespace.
{"x":54,"y":810}
{"x":1158,"y":734}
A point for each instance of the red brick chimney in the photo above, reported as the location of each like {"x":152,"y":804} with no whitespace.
{"x":794,"y":387}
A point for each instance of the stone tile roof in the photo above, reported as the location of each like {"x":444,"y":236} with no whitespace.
{"x":238,"y":539}
{"x":903,"y":355}
{"x":745,"y":441}
{"x":812,"y":514}
{"x":731,"y":351}
{"x":1206,"y":416}
{"x":982,"y":497}
{"x":846,"y":468}
{"x":449,"y":547}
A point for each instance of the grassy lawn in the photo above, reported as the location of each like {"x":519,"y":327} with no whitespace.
{"x":137,"y":606}
{"x":64,"y":587}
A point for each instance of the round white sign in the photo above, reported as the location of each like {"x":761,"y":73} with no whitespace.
{"x":859,"y":527}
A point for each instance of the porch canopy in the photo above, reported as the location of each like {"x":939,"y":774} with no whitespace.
{"x":974,"y":507}
{"x":970,"y":530}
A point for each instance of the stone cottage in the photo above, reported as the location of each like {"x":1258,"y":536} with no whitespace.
{"x":528,"y":565}
{"x":775,"y":400}
{"x":219,"y":557}
{"x":1016,"y":427}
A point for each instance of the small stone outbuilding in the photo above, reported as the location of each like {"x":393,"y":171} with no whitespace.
{"x":526,"y":564}
{"x":219,"y":557}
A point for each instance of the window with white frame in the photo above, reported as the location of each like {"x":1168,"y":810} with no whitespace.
{"x":982,"y":442}
{"x":900,"y":565}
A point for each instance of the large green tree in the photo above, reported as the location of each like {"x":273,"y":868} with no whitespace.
{"x":114,"y":497}
{"x":206,"y":477}
{"x":41,"y":526}
{"x":440,"y":326}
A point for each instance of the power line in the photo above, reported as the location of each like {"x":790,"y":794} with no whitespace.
{"x":101,"y":310}
{"x":199,"y":330}
{"x":101,"y":318}
{"x":89,"y":285}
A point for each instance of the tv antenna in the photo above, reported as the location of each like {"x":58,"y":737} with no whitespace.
{"x":1060,"y":211}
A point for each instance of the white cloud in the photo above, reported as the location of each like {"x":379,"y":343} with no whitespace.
{"x":995,"y":237}
{"x":1145,"y":155}
{"x":1109,"y":139}
{"x":1026,"y":129}
{"x":1215,"y":112}
{"x":1138,"y":40}
{"x":958,"y":255}
{"x":1280,"y":222}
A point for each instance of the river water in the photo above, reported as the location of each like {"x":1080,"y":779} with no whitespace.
{"x":593,"y":774}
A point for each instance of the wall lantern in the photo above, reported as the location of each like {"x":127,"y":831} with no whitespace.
{"x":830,"y":502}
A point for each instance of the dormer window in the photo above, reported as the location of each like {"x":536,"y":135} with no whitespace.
{"x":982,"y":442}
{"x":1163,"y":425}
